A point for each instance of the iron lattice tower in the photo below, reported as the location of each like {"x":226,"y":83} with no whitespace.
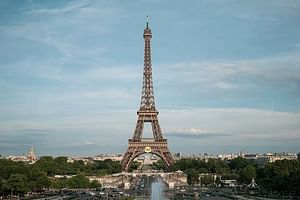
{"x":147,"y":114}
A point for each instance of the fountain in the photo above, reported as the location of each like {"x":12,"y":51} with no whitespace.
{"x":156,"y":190}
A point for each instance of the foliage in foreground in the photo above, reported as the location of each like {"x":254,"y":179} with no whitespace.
{"x":281,"y":176}
{"x":19,"y":178}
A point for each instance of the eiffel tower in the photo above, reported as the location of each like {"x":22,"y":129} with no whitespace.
{"x":147,"y":114}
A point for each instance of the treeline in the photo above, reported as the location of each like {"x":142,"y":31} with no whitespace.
{"x":60,"y":166}
{"x":282,"y":176}
{"x":20,"y":177}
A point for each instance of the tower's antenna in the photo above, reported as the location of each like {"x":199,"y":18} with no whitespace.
{"x":147,"y":20}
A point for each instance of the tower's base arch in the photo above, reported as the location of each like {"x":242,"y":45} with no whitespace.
{"x":136,"y":148}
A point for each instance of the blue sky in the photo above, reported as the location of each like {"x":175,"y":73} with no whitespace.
{"x":226,"y":75}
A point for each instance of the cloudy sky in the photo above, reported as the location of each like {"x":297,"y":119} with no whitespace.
{"x":226,"y":74}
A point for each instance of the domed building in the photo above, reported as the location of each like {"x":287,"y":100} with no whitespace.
{"x":31,"y":155}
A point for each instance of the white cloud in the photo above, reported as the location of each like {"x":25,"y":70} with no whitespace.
{"x":237,"y":124}
{"x":69,"y":7}
{"x":109,"y":95}
{"x":210,"y":127}
{"x":224,"y":85}
{"x":192,"y":131}
{"x":121,"y":73}
{"x":67,"y":28}
{"x":47,"y":35}
{"x":195,"y":133}
{"x":89,"y":142}
{"x":236,"y":74}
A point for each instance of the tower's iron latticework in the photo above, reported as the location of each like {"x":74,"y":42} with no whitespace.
{"x":147,"y":114}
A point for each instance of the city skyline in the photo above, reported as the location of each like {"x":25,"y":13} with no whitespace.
{"x":226,"y":75}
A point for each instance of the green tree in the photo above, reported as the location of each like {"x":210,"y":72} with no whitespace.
{"x":246,"y":174}
{"x":4,"y":187}
{"x":95,"y":184}
{"x":78,"y":181}
{"x":78,"y":166}
{"x":17,"y":184}
{"x":4,"y":168}
{"x":192,"y":177}
{"x":294,"y":181}
{"x":281,"y":176}
{"x":207,"y":180}
{"x":230,"y":177}
{"x":43,"y":182}
{"x":63,"y":167}
{"x":47,"y":164}
{"x":101,"y":172}
{"x":110,"y":166}
{"x":239,"y":163}
{"x":59,"y":183}
{"x":35,"y":173}
{"x":61,"y":160}
{"x":8,"y":167}
{"x":221,"y":167}
{"x":159,"y":165}
{"x":134,"y":166}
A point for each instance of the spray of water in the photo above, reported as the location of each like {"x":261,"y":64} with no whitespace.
{"x":157,"y":190}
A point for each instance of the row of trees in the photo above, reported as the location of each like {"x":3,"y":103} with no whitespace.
{"x":78,"y":181}
{"x":240,"y":169}
{"x":19,"y":177}
{"x":60,"y":166}
{"x":281,"y":176}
